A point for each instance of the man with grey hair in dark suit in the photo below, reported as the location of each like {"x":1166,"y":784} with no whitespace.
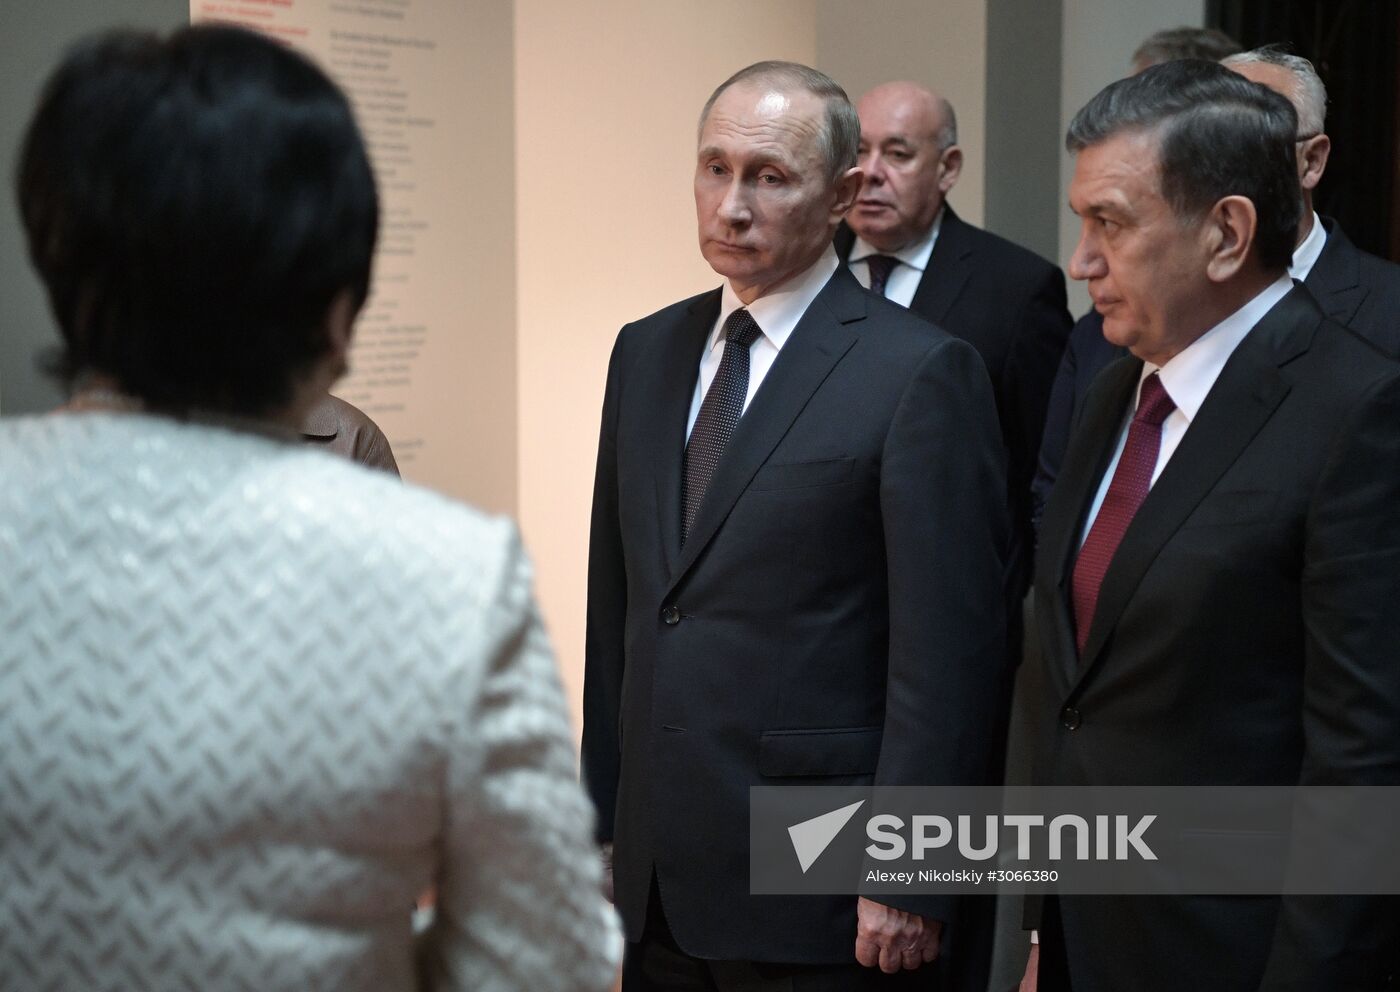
{"x":1353,"y":287}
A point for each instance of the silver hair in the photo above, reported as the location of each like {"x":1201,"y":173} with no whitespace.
{"x":1308,"y":95}
{"x":840,"y":131}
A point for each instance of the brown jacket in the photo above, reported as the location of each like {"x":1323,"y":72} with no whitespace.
{"x":345,"y":430}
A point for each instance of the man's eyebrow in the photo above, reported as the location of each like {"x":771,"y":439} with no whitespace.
{"x":762,"y":158}
{"x":757,"y":159}
{"x":1098,"y":207}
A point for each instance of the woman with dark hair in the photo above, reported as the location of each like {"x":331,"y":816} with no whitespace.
{"x":253,"y":699}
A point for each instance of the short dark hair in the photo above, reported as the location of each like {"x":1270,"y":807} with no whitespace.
{"x":1171,"y":44}
{"x":194,"y":204}
{"x":1218,"y":135}
{"x":840,"y":135}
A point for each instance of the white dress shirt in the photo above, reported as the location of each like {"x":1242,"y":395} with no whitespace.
{"x":776,"y":315}
{"x":1306,"y":254}
{"x":904,"y":277}
{"x":1188,"y":379}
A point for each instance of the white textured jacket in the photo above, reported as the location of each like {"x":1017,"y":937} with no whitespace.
{"x":254,"y":700}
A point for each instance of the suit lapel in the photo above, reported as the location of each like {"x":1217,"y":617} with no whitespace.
{"x":672,"y":391}
{"x":816,"y":344}
{"x":947,"y":271}
{"x":1246,"y":394}
{"x":1335,"y":279}
{"x":1091,"y":448}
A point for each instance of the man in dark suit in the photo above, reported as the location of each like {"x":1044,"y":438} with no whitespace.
{"x":904,"y":240}
{"x":794,"y":568}
{"x":1219,"y":563}
{"x":1354,"y":288}
{"x":1087,"y":353}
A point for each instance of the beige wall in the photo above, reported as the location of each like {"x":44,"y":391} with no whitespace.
{"x":606,"y":100}
{"x":940,"y":45}
{"x":1023,"y":123}
{"x":467,"y":389}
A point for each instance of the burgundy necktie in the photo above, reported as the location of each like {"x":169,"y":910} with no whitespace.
{"x":880,"y":267}
{"x":1131,"y":481}
{"x":719,"y":414}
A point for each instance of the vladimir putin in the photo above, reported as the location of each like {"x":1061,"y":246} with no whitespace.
{"x":795,"y":564}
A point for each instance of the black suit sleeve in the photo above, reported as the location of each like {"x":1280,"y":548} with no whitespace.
{"x":1028,"y":378}
{"x":1351,"y":685}
{"x":1059,"y":414}
{"x":945,"y":531}
{"x":607,"y":614}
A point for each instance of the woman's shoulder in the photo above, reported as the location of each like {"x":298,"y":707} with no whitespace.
{"x":254,"y":497}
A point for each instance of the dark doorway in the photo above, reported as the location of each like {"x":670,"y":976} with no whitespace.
{"x":1353,"y":44}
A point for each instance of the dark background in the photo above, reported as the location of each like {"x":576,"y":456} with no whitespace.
{"x":1353,"y":44}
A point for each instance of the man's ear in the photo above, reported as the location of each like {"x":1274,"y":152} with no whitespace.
{"x":846,"y":191}
{"x":1312,"y":160}
{"x":952,"y":161}
{"x":1230,"y":229}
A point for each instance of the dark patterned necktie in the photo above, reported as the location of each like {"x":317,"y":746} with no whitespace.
{"x":880,"y":267}
{"x":1131,"y":481}
{"x":719,"y":414}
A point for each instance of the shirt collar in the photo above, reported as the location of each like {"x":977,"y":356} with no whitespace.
{"x":778,"y":312}
{"x":915,"y":254}
{"x":1189,"y":376}
{"x":1306,"y":254}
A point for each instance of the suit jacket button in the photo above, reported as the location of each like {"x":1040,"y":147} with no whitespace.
{"x":1069,"y":716}
{"x":670,"y":615}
